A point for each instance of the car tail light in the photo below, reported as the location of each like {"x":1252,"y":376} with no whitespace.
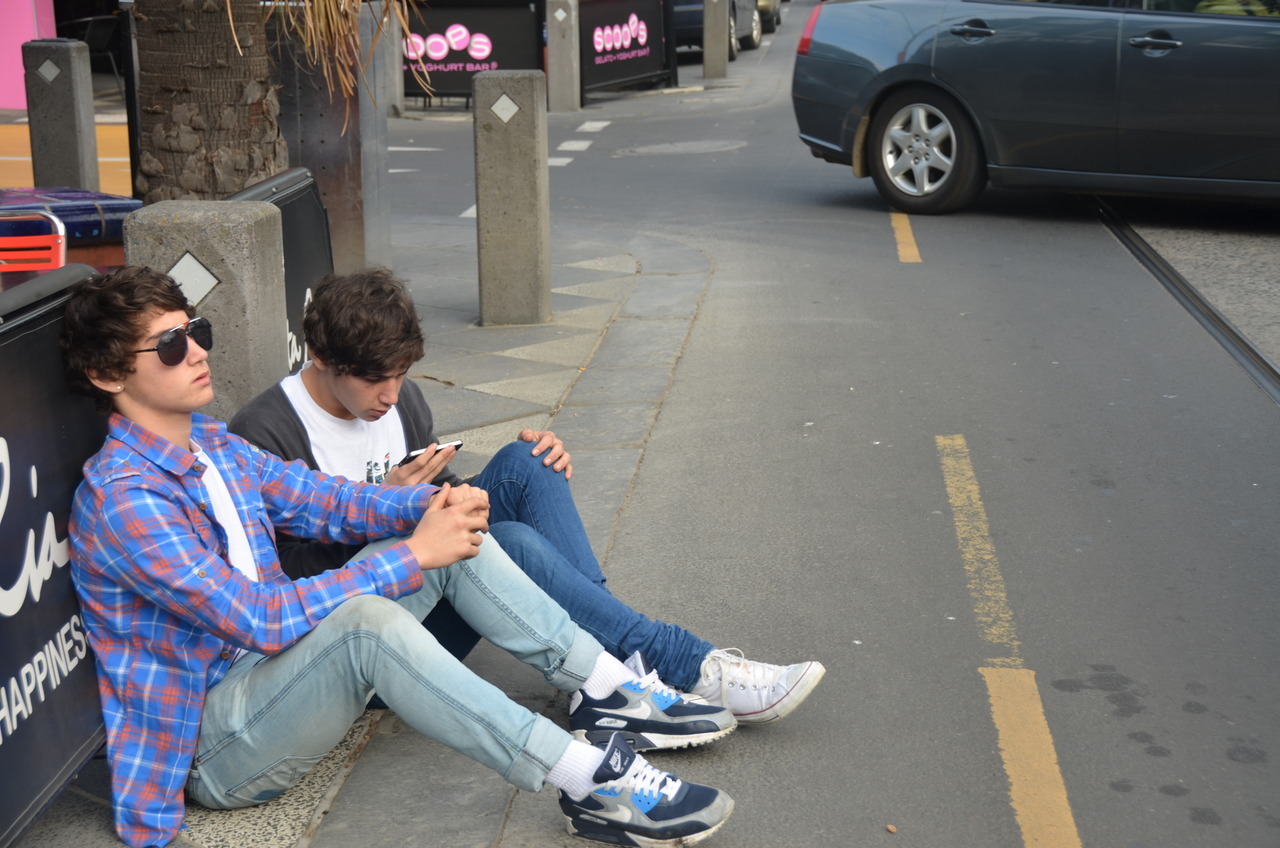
{"x":806,"y":37}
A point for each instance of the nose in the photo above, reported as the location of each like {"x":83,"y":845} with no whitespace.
{"x":195,"y":353}
{"x":391,"y":391}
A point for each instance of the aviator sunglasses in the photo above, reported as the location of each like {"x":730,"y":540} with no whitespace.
{"x":171,"y":347}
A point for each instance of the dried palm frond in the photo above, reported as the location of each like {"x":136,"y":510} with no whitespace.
{"x":329,"y":32}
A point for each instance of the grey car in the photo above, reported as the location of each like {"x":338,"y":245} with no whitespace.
{"x":745,"y":25}
{"x":770,"y":14}
{"x":934,"y":98}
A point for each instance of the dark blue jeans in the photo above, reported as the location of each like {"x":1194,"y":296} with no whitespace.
{"x":534,"y":519}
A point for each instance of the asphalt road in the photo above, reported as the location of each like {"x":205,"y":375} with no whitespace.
{"x":1012,"y":494}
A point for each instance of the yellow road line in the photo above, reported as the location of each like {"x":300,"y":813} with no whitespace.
{"x":1037,"y":791}
{"x":907,"y":250}
{"x":973,"y":534}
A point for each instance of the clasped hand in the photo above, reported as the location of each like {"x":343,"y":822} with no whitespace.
{"x":452,"y":528}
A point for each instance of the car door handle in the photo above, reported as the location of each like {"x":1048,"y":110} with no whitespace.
{"x":1149,"y":42}
{"x":972,"y":30}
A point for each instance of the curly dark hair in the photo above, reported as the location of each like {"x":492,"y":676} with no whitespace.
{"x":363,"y":324}
{"x":106,"y":317}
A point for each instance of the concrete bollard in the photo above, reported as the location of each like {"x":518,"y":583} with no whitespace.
{"x":229,"y":259}
{"x":715,"y":38}
{"x":564,"y":68}
{"x":385,"y":75}
{"x":381,"y":92}
{"x":64,"y":148}
{"x":513,"y":201}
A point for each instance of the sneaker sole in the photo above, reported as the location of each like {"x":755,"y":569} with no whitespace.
{"x":794,"y":698}
{"x":599,"y":832}
{"x":653,"y":741}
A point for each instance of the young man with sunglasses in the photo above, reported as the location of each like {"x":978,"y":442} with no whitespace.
{"x":207,"y":654}
{"x":350,"y":411}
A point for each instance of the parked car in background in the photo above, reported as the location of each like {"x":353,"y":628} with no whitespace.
{"x":770,"y":14}
{"x":746,"y":28}
{"x":934,"y":98}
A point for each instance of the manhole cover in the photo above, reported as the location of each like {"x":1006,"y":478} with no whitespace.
{"x":710,"y":146}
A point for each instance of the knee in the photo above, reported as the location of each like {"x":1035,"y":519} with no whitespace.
{"x":516,"y":457}
{"x":369,"y":613}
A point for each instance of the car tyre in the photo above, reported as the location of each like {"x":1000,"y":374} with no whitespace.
{"x":752,"y":40}
{"x":772,"y":22}
{"x":924,"y":154}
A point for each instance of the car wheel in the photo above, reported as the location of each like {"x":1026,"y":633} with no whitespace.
{"x":774,"y":21}
{"x":924,"y":154}
{"x":752,"y":41}
{"x":733,"y":34}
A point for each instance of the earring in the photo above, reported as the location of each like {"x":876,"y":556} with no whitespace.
{"x":119,"y":388}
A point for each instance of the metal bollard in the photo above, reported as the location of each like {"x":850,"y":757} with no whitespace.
{"x":513,"y":201}
{"x":64,"y":148}
{"x":715,"y":38}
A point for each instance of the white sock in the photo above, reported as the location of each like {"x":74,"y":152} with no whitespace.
{"x":575,"y":771}
{"x":608,"y":675}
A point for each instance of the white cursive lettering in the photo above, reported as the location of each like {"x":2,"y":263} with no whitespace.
{"x":36,"y":568}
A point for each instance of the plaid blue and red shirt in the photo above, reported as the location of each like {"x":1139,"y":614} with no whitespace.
{"x":165,"y":611}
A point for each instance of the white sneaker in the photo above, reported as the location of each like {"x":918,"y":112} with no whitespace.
{"x":755,"y":692}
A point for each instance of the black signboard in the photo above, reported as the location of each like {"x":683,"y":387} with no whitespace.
{"x":50,"y":716}
{"x":450,"y":44}
{"x":308,"y":250}
{"x":621,"y":41}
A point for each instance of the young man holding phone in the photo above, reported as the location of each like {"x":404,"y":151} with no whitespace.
{"x":351,"y":411}
{"x":207,"y":654}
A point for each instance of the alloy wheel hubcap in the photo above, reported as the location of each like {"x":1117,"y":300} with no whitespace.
{"x":918,"y":149}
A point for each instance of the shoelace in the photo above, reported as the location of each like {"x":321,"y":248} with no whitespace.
{"x":737,"y":672}
{"x":644,"y":779}
{"x":651,"y":681}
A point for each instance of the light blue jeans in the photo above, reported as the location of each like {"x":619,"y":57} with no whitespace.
{"x":271,"y":719}
{"x":533,"y":516}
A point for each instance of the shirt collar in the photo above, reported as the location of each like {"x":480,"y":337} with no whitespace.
{"x":209,"y":433}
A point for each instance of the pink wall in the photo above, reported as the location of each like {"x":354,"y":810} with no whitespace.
{"x":20,"y":21}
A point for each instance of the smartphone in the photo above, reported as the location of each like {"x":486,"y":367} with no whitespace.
{"x":456,"y":444}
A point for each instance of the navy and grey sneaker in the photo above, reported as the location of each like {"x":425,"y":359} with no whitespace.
{"x":636,"y":804}
{"x":650,"y":715}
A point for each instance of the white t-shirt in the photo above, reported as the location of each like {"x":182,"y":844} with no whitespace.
{"x":239,"y":554}
{"x":356,"y":449}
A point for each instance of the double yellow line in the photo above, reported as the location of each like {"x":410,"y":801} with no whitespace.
{"x":1037,"y":792}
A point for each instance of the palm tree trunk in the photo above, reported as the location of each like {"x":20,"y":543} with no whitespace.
{"x":208,"y":110}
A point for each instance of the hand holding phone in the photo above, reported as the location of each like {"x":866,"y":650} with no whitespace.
{"x":409,"y":457}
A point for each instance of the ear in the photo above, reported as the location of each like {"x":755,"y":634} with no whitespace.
{"x":316,"y":362}
{"x":111,"y":387}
